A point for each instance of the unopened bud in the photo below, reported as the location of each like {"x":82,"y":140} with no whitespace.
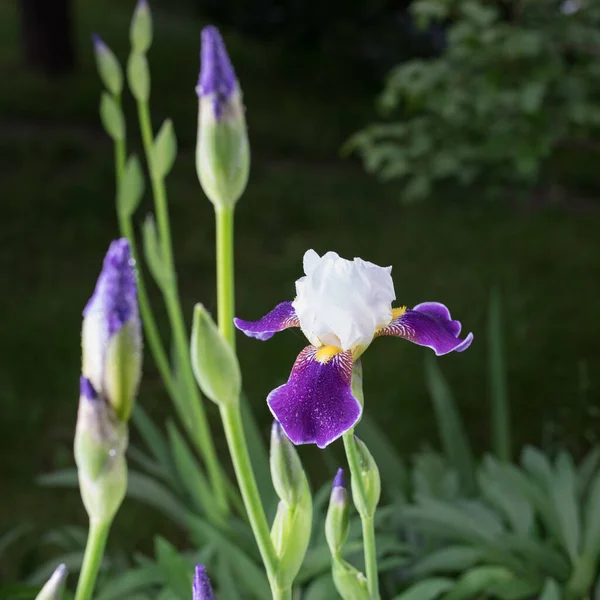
{"x":111,"y":336}
{"x":138,"y":76}
{"x":140,"y":32}
{"x":350,"y":583}
{"x":292,"y":525}
{"x":214,"y":361}
{"x":222,"y":148}
{"x":100,"y":444}
{"x":109,"y":68}
{"x":337,"y":520}
{"x":202,"y":590}
{"x":53,"y":589}
{"x":371,"y":482}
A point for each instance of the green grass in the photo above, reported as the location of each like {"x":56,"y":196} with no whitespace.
{"x":58,"y":218}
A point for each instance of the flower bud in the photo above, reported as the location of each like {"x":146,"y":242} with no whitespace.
{"x":337,"y":520}
{"x":111,"y":335}
{"x":291,"y":528}
{"x":100,"y":444}
{"x":214,"y":361}
{"x":109,"y":68}
{"x":140,"y":32}
{"x":53,"y":590}
{"x":371,"y":482}
{"x":138,"y":76}
{"x":350,"y":583}
{"x":202,"y":590}
{"x":222,"y":149}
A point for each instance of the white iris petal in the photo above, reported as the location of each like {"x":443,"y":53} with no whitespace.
{"x":341,"y":302}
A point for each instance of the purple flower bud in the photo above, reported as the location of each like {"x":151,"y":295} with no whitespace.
{"x":217,"y":77}
{"x":99,"y":44}
{"x":116,"y":289}
{"x":111,"y":336}
{"x":202,"y":590}
{"x":339,"y":481}
{"x":86,"y":389}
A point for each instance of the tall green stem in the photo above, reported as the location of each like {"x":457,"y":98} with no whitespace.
{"x":94,"y":551}
{"x":368,"y":528}
{"x":201,"y":431}
{"x":231,"y":415}
{"x":150,"y":326}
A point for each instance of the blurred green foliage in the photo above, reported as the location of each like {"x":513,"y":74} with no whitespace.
{"x":516,"y":84}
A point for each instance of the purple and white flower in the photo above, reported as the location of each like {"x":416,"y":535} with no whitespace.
{"x":341,"y":306}
{"x":111,"y":335}
{"x":202,"y":590}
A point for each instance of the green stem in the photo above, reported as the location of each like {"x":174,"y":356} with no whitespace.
{"x":236,"y":440}
{"x":231,"y":414}
{"x":197,"y":422}
{"x":150,"y":327}
{"x":94,"y":551}
{"x":225,"y":273}
{"x":368,"y":528}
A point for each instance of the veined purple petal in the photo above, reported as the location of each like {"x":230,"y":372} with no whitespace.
{"x":202,"y":590}
{"x":115,"y":295}
{"x":217,"y":77}
{"x":280,"y":318}
{"x":429,"y":324}
{"x":316,"y":405}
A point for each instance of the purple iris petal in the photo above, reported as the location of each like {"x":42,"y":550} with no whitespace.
{"x":280,"y":318}
{"x":429,"y":324}
{"x":86,"y":389}
{"x":115,"y":295}
{"x":202,"y":590}
{"x":217,"y":76}
{"x":316,"y":405}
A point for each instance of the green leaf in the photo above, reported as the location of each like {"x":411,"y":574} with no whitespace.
{"x":250,"y":575}
{"x":449,"y":559}
{"x":11,"y":536}
{"x":551,"y":591}
{"x":131,"y":188}
{"x":587,"y":469}
{"x":450,"y":427}
{"x":122,"y":586}
{"x":147,"y":490}
{"x":478,"y":580}
{"x":226,"y":579}
{"x":177,"y":571}
{"x":153,"y":253}
{"x":321,"y":588}
{"x":191,"y":476}
{"x":564,"y":495}
{"x":498,"y":382}
{"x":536,"y":463}
{"x":164,"y":150}
{"x":591,"y":521}
{"x":515,"y":508}
{"x":112,"y":117}
{"x":429,"y":589}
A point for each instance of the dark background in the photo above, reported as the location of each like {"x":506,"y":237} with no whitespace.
{"x":310,"y":72}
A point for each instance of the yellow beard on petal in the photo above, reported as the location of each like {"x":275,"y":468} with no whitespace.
{"x":398,"y":312}
{"x":325,"y":353}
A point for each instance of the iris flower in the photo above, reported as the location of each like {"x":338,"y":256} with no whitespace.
{"x":341,"y":306}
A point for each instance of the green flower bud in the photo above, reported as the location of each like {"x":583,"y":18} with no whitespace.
{"x":138,"y":76}
{"x":140,"y":32}
{"x":292,"y":525}
{"x":109,"y":68}
{"x":337,"y":520}
{"x":349,"y":582}
{"x":222,"y":148}
{"x":112,"y":117}
{"x":371,"y":482}
{"x":53,"y":590}
{"x":100,"y":444}
{"x":214,"y":361}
